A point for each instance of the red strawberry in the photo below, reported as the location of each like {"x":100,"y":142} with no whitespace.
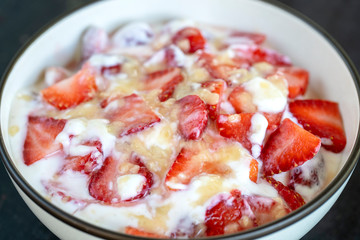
{"x":218,"y":87}
{"x":133,"y":112}
{"x":256,"y":38}
{"x":242,"y":100}
{"x":254,"y":170}
{"x":193,"y":117}
{"x":95,"y":40}
{"x":293,"y":199}
{"x":311,"y":175}
{"x":138,"y":232}
{"x":72,"y":91}
{"x":224,"y":216}
{"x":323,"y":119}
{"x":288,"y":147}
{"x":237,"y":127}
{"x":87,"y":163}
{"x":297,"y":80}
{"x":166,"y":80}
{"x":189,"y":39}
{"x":111,"y":70}
{"x":40,"y":138}
{"x":55,"y":74}
{"x":255,"y":53}
{"x":103,"y":184}
{"x":273,"y":119}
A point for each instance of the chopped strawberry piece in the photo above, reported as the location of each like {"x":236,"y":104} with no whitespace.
{"x":255,"y":54}
{"x":193,"y":117}
{"x":95,"y":40}
{"x":174,"y":57}
{"x":133,"y":112}
{"x":225,"y":215}
{"x":40,"y":138}
{"x":293,"y":199}
{"x":256,"y":38}
{"x":103,"y":184}
{"x":138,"y":232}
{"x":72,"y":91}
{"x":273,"y":119}
{"x":288,"y":147}
{"x":87,"y":163}
{"x":297,"y":80}
{"x":237,"y":127}
{"x":323,"y":119}
{"x":166,"y":80}
{"x":132,"y":35}
{"x":55,"y":74}
{"x":242,"y":100}
{"x":189,"y":39}
{"x":254,"y":170}
{"x":310,"y":175}
{"x":217,"y":87}
{"x":110,"y":70}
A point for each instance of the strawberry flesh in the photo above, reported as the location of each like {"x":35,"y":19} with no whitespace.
{"x":141,"y":233}
{"x":40,"y":138}
{"x":217,"y":87}
{"x":297,"y":80}
{"x":288,"y":147}
{"x":194,"y":38}
{"x":323,"y":119}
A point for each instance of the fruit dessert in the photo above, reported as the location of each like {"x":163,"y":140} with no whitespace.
{"x":177,"y":129}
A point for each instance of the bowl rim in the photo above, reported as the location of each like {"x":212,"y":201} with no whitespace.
{"x":257,"y":232}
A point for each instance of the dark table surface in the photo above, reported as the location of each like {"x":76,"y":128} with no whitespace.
{"x":20,"y":19}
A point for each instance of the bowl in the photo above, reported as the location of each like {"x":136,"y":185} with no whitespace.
{"x":332,"y":77}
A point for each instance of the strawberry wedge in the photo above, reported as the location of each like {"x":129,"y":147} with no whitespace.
{"x":189,"y":39}
{"x":40,"y":138}
{"x":193,"y":117}
{"x":141,"y":233}
{"x":72,"y":91}
{"x":288,"y":147}
{"x":166,"y":80}
{"x":132,"y":111}
{"x":217,"y":87}
{"x":322,"y":118}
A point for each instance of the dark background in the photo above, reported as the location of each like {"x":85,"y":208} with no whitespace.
{"x":20,"y":19}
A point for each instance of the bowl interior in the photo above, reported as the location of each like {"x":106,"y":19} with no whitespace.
{"x":330,"y":77}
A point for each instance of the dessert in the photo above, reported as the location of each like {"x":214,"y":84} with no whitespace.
{"x":175,"y":130}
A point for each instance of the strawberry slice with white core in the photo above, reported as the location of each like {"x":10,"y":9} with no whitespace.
{"x":288,"y":146}
{"x":40,"y":138}
{"x":193,"y":117}
{"x":189,"y":40}
{"x":72,"y":91}
{"x":322,"y":118}
{"x":166,"y":80}
{"x":132,"y":111}
{"x":117,"y":181}
{"x":95,"y":40}
{"x":216,"y":87}
{"x":55,"y":74}
{"x":133,"y":34}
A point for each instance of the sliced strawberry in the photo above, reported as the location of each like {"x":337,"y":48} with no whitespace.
{"x":88,"y":163}
{"x":226,"y":214}
{"x":288,"y":147}
{"x":217,"y":87}
{"x":40,"y":138}
{"x":297,"y":80}
{"x":166,"y":80}
{"x":55,"y":74}
{"x":273,"y":119}
{"x":255,"y":53}
{"x":141,"y":233}
{"x":254,"y":170}
{"x":293,"y":199}
{"x":242,"y":100}
{"x":95,"y":40}
{"x":103,"y":184}
{"x":189,"y":39}
{"x":111,"y":70}
{"x":72,"y":91}
{"x":133,"y":112}
{"x":132,"y":35}
{"x":193,"y":117}
{"x":323,"y":119}
{"x":256,"y":38}
{"x":237,"y":127}
{"x":174,"y":57}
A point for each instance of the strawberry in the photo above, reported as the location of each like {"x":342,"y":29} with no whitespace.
{"x":72,"y":91}
{"x":297,"y":80}
{"x":40,"y":138}
{"x":273,"y":119}
{"x":103,"y":184}
{"x":133,"y":112}
{"x":293,"y":199}
{"x":241,"y":100}
{"x":141,"y":233}
{"x":323,"y":119}
{"x":193,"y":117}
{"x":189,"y":39}
{"x":174,"y":57}
{"x":88,"y":163}
{"x":225,"y":215}
{"x":55,"y":74}
{"x":166,"y":80}
{"x":95,"y":40}
{"x":111,"y":70}
{"x":254,"y":54}
{"x":288,"y":147}
{"x":254,"y":170}
{"x":217,"y":87}
{"x":256,"y":38}
{"x":237,"y":127}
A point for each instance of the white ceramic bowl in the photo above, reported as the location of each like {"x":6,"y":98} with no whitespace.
{"x":333,"y":77}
